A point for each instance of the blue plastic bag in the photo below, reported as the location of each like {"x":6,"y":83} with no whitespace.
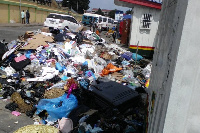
{"x":59,"y":67}
{"x":139,"y":57}
{"x":127,"y":55}
{"x":57,"y":107}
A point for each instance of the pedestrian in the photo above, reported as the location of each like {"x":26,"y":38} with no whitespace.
{"x":27,"y":17}
{"x":114,"y":35}
{"x":117,"y":31}
{"x":90,"y":23}
{"x":49,"y":2}
{"x":94,"y":25}
{"x":23,"y":17}
{"x":113,"y":28}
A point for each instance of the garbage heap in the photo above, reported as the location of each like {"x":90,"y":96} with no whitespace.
{"x":75,"y":82}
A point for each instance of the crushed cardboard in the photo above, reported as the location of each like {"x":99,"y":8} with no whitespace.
{"x":38,"y":40}
{"x":28,"y":34}
{"x":45,"y":29}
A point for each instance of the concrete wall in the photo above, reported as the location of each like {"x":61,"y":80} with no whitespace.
{"x":32,"y":15}
{"x":175,"y":72}
{"x":145,"y":37}
{"x":4,"y":12}
{"x":14,"y":13}
{"x":10,"y":11}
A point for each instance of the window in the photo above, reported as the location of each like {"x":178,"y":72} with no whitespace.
{"x":51,"y":16}
{"x":66,"y":18}
{"x":55,"y":16}
{"x":104,"y":19}
{"x":109,"y":20}
{"x":73,"y":20}
{"x":58,"y":17}
{"x":84,"y":17}
{"x":100,"y":19}
{"x":90,"y":17}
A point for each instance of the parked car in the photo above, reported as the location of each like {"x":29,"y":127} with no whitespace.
{"x":60,"y":21}
{"x":52,"y":19}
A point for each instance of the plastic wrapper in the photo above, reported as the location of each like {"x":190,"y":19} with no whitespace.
{"x":139,"y":57}
{"x":57,"y":107}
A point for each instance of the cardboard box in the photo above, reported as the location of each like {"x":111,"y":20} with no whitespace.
{"x":45,"y":29}
{"x":28,"y":34}
{"x":38,"y":40}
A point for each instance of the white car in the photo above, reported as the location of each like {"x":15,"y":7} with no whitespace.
{"x":61,"y":20}
{"x":52,"y":19}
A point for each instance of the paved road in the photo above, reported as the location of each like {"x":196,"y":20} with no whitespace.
{"x":12,"y":33}
{"x":8,"y":122}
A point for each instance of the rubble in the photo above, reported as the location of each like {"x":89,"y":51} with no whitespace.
{"x":76,"y":80}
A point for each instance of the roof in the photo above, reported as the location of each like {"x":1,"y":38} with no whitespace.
{"x":148,"y":3}
{"x":96,"y":9}
{"x":105,"y":10}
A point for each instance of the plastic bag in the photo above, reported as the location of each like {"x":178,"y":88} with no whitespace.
{"x":139,"y":57}
{"x":127,"y":55}
{"x":65,"y":125}
{"x":57,"y":107}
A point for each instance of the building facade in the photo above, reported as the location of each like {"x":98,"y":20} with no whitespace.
{"x":144,"y":25}
{"x":174,"y":83}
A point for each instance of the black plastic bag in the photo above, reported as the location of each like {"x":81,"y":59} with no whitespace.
{"x":3,"y":49}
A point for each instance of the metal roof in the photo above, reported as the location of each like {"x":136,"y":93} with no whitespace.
{"x":156,"y":1}
{"x":148,"y":3}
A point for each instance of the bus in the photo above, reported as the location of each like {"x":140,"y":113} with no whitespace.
{"x":89,"y":16}
{"x":104,"y":23}
{"x":110,"y":23}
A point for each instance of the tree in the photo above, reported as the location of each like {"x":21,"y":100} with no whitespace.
{"x":111,"y":14}
{"x":128,"y":11}
{"x":74,"y":4}
{"x":99,"y":12}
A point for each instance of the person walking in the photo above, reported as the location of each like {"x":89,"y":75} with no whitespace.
{"x":23,"y":17}
{"x":94,"y":25}
{"x":27,"y":17}
{"x":114,"y":36}
{"x":90,"y":23}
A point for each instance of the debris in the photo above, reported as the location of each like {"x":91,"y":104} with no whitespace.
{"x":60,"y":77}
{"x":16,"y":113}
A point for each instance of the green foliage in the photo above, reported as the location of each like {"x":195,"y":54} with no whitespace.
{"x":99,"y":12}
{"x":112,"y":14}
{"x":82,"y":5}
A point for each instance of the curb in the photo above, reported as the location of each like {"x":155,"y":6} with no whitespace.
{"x":19,"y":25}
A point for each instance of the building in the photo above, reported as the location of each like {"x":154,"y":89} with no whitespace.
{"x":174,"y":86}
{"x":119,"y":15}
{"x":105,"y":11}
{"x":144,"y":24}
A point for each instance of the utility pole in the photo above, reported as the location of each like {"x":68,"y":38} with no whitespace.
{"x":77,"y":6}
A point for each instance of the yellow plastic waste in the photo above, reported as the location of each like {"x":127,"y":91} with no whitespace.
{"x":147,"y":83}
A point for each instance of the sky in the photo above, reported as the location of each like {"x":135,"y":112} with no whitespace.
{"x":106,"y":4}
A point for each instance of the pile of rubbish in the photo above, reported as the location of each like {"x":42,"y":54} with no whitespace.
{"x":75,"y":82}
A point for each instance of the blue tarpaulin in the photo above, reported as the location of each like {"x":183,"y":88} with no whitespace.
{"x":126,"y":17}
